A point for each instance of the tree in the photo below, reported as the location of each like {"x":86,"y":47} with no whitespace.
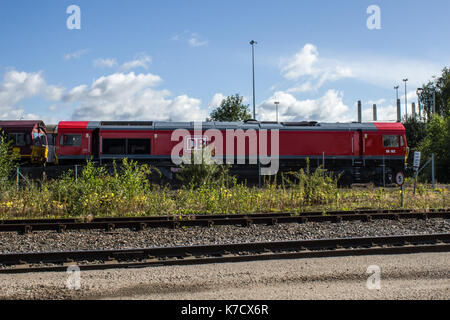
{"x":231,"y":109}
{"x":8,"y":159}
{"x":415,"y":133}
{"x":441,"y":88}
{"x":437,"y":141}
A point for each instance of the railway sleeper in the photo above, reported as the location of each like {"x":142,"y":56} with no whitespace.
{"x":61,"y":228}
{"x":26,"y":229}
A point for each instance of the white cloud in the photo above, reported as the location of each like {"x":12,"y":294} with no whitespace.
{"x":306,"y":66}
{"x":119,"y":96}
{"x":311,"y":71}
{"x":195,"y":42}
{"x":75,"y":55}
{"x":17,"y":86}
{"x":386,"y":72}
{"x":377,"y":102}
{"x":329,"y":107}
{"x":105,"y":63}
{"x":216,"y":101}
{"x":141,"y":61}
{"x":192,"y":38}
{"x":384,"y":113}
{"x":412,"y":97}
{"x":302,"y":63}
{"x":129,"y":96}
{"x":304,"y":87}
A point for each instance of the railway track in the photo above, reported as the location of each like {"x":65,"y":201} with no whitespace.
{"x":142,"y":223}
{"x":188,"y":255}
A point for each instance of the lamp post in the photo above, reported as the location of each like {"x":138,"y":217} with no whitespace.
{"x":252,"y":43}
{"x":406,"y":99}
{"x":276,"y":104}
{"x":396,"y":89}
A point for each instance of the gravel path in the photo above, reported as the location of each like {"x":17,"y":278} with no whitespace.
{"x":122,"y":239}
{"x":410,"y":276}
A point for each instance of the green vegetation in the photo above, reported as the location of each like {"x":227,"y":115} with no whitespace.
{"x":8,"y":161}
{"x":203,"y":172}
{"x":127,"y":192}
{"x":433,"y":135}
{"x":441,"y":88}
{"x":231,"y":109}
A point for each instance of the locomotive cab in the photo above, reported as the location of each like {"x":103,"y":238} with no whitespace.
{"x":29,"y":139}
{"x":74,"y":141}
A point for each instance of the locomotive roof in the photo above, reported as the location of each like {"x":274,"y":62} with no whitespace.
{"x":26,"y":125}
{"x":168,"y":125}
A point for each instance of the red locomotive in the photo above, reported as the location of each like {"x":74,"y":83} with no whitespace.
{"x":28,"y":139}
{"x":360,"y":152}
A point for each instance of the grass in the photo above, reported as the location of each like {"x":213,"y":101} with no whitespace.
{"x":127,"y":192}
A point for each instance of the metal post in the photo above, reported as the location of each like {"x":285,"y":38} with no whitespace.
{"x":432,"y":170}
{"x":384,"y":174}
{"x":406,"y":99}
{"x":403,"y":196}
{"x":359,"y":112}
{"x":253,"y":69}
{"x":76,"y":172}
{"x":259,"y":159}
{"x":374,"y":112}
{"x":413,"y":106}
{"x":323,"y":161}
{"x":415,"y":180}
{"x":259,"y":175}
{"x":17,"y":178}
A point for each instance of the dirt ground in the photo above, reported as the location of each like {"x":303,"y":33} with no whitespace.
{"x":413,"y":276}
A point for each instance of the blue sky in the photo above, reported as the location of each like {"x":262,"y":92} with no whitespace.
{"x":160,"y":60}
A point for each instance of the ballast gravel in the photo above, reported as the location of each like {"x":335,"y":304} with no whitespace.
{"x":49,"y":241}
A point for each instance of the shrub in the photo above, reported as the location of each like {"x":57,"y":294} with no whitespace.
{"x":8,"y":160}
{"x":203,"y":172}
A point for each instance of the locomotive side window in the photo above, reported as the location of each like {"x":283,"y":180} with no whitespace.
{"x":126,"y":146}
{"x":402,"y":142}
{"x":114,"y":146}
{"x":139,"y":146}
{"x":71,"y":140}
{"x":18,"y":139}
{"x":390,"y":141}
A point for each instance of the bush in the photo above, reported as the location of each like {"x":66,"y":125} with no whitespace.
{"x":8,"y":160}
{"x":437,"y":141}
{"x":318,"y":187}
{"x":203,"y":172}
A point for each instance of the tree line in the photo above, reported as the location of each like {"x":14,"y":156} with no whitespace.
{"x":430,"y":133}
